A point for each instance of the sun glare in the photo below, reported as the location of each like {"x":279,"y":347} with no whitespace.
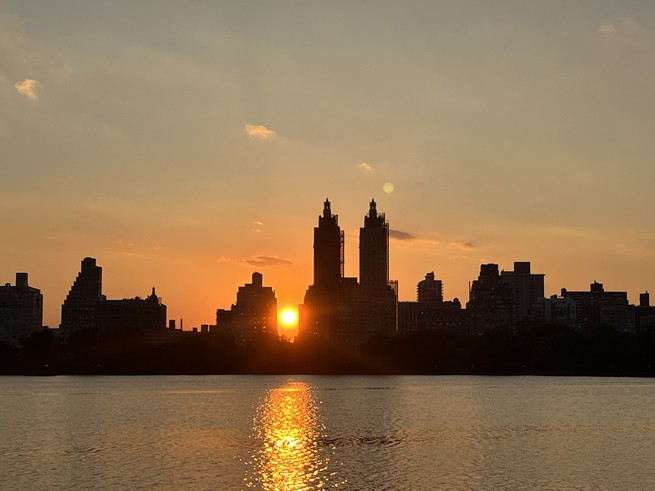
{"x":288,"y":317}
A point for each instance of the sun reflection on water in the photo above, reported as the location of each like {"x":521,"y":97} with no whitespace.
{"x":290,"y":454}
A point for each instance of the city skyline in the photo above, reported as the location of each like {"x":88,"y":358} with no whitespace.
{"x":191,"y":149}
{"x":359,"y":298}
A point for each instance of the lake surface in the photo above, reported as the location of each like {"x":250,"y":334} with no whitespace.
{"x":318,"y":432}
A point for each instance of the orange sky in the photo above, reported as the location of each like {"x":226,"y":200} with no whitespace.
{"x":185,"y":147}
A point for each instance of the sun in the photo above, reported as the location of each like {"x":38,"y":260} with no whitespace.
{"x":288,"y":317}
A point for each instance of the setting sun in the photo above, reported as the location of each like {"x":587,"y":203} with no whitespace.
{"x":288,"y":317}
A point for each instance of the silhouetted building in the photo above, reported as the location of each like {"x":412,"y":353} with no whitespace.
{"x":321,"y":309}
{"x":490,"y":305}
{"x":407,"y":317}
{"x":328,"y":249}
{"x":380,"y":295}
{"x":132,"y":316}
{"x":645,"y":314}
{"x":255,"y":311}
{"x":341,"y":309}
{"x":644,"y":299}
{"x":21,"y":311}
{"x":447,"y":316}
{"x":430,"y":312}
{"x":79,"y":309}
{"x":527,"y":288}
{"x":429,"y":289}
{"x":556,"y":311}
{"x":598,"y":307}
{"x":374,"y":250}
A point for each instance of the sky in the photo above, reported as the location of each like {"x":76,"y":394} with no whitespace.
{"x":185,"y":145}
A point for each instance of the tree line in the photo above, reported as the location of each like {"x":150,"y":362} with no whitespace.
{"x":548,"y":350}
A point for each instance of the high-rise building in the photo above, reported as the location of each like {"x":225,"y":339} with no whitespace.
{"x":645,"y":319}
{"x":318,"y":315}
{"x":79,"y":309}
{"x":21,"y":311}
{"x":374,"y":250}
{"x":429,"y":289}
{"x":430,"y":311}
{"x":490,"y":305}
{"x":599,"y":307}
{"x":527,"y":289}
{"x":339,"y":308}
{"x":328,"y":249}
{"x":380,"y":307}
{"x":255,"y":312}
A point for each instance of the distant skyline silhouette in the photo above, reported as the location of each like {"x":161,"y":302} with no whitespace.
{"x":188,"y":147}
{"x":346,"y":325}
{"x":337,"y":308}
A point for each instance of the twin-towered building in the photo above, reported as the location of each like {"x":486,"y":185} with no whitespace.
{"x":339,"y":308}
{"x":335,"y":307}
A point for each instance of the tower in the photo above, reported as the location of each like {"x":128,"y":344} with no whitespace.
{"x":374,"y":250}
{"x":341,"y":309}
{"x":319,"y":313}
{"x":379,"y":311}
{"x":328,"y":249}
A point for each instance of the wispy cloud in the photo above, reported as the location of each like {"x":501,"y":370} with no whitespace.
{"x":133,"y":254}
{"x":366,"y":166}
{"x":398,"y":235}
{"x":268,"y":261}
{"x":259,"y":132}
{"x":406,"y":237}
{"x":29,"y":89}
{"x":259,"y":261}
{"x":125,"y":243}
{"x":607,"y":30}
{"x":464,"y":245}
{"x":567,"y":231}
{"x":626,"y":25}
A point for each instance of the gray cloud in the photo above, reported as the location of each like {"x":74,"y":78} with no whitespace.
{"x":463,"y":245}
{"x":398,"y":235}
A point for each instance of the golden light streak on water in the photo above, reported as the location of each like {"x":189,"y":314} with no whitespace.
{"x":291,"y":455}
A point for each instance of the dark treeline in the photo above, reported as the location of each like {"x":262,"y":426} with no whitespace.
{"x":547,"y":350}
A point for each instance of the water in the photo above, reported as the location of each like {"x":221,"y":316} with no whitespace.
{"x":308,"y":432}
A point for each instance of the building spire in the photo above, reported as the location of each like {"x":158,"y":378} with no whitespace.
{"x":372,"y":212}
{"x":326,"y":208}
{"x":153,"y":296}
